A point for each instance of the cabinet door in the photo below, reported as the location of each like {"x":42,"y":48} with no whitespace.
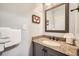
{"x":37,"y":49}
{"x":51,"y":52}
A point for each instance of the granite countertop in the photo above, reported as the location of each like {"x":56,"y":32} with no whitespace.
{"x":63,"y":48}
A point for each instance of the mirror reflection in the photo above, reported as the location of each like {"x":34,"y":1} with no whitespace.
{"x":56,"y":18}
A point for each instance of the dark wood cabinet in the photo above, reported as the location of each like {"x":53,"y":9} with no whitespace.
{"x":40,"y":50}
{"x":51,"y":52}
{"x":37,"y":49}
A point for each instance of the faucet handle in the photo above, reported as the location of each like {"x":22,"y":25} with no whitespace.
{"x":52,"y":37}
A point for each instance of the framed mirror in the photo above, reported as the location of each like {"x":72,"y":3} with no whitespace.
{"x":57,"y":18}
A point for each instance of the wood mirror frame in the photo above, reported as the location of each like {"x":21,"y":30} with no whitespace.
{"x":66,"y":19}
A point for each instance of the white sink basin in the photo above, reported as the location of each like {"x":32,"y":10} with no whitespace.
{"x":51,"y":43}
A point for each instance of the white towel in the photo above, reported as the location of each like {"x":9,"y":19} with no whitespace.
{"x":9,"y":37}
{"x":3,"y":41}
{"x":15,"y":38}
{"x":1,"y":47}
{"x":5,"y":32}
{"x":4,"y":37}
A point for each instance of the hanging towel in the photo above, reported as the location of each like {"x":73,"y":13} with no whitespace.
{"x":4,"y":37}
{"x":1,"y":47}
{"x":15,"y":38}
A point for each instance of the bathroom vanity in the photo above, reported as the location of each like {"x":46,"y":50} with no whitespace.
{"x":43,"y":46}
{"x":40,"y":50}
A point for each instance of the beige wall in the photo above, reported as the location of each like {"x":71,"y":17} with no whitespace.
{"x":37,"y":29}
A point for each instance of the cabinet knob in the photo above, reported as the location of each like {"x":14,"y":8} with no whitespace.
{"x":44,"y":50}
